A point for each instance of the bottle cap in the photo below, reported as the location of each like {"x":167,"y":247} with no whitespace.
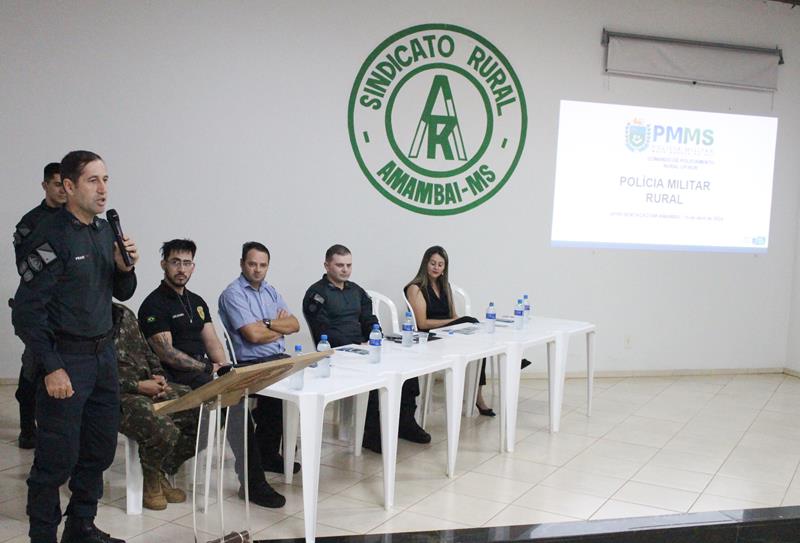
{"x":525,"y":296}
{"x":298,"y":348}
{"x":519,"y":300}
{"x":323,"y":337}
{"x":376,"y":326}
{"x":408,"y":313}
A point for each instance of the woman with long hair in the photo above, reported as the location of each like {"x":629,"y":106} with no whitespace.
{"x":431,"y":300}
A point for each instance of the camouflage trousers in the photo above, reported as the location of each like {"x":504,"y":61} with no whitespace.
{"x":165,"y":441}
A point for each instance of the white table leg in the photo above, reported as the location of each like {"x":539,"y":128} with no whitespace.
{"x":133,"y":477}
{"x":390,"y":419}
{"x":360,"y":417}
{"x":510,"y":376}
{"x":290,"y":422}
{"x":471,"y":390}
{"x":454,"y":390}
{"x":312,"y":411}
{"x":556,"y":374}
{"x":589,"y":371}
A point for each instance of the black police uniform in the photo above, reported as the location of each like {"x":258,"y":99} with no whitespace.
{"x":62,"y":312}
{"x":345,"y":315}
{"x":184,"y":318}
{"x":26,"y":389}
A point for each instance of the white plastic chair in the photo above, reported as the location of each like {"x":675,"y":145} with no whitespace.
{"x":378,"y":300}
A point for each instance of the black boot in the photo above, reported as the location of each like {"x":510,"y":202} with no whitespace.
{"x":83,"y":530}
{"x":264,"y":495}
{"x":409,"y":429}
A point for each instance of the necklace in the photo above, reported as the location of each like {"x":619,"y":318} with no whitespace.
{"x":186,"y":306}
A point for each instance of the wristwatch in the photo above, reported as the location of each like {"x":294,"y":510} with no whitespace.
{"x":267,"y":323}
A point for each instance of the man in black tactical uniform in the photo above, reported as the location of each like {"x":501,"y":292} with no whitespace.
{"x":342,"y":310}
{"x":62,"y":312}
{"x":54,"y":198}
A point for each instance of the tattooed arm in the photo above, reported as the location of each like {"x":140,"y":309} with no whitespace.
{"x":161,"y":343}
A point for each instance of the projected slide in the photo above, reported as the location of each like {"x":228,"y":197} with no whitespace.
{"x":648,"y":178}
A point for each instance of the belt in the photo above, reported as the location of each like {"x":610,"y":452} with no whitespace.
{"x":76,"y":345}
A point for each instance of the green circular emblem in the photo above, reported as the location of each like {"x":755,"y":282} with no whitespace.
{"x":437,"y":119}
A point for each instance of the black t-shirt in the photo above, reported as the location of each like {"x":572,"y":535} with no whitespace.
{"x":182,"y":316}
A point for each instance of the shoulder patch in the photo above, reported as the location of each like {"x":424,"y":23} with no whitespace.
{"x":319,"y":298}
{"x":46,"y":253}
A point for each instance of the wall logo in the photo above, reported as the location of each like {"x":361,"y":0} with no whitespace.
{"x":637,"y":135}
{"x":437,"y":119}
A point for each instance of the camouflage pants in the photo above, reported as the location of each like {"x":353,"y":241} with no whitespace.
{"x":165,"y":441}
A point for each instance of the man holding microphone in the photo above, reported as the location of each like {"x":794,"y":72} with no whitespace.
{"x":62,"y":312}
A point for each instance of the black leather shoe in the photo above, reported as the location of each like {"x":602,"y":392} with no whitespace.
{"x":488,"y":412}
{"x":264,"y":495}
{"x":411,"y":431}
{"x":275,"y":464}
{"x":83,"y":530}
{"x":27,"y":440}
{"x":372,"y":442}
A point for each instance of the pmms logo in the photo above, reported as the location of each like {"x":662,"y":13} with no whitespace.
{"x":638,"y":136}
{"x":437,"y":119}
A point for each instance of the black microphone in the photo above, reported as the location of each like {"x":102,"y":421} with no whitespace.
{"x":113,"y":219}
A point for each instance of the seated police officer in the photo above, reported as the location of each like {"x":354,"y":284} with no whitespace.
{"x":178,"y":327}
{"x":165,"y":441}
{"x":341,"y":309}
{"x":257,"y":319}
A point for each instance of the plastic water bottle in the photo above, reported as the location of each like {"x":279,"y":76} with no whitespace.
{"x":527,"y":304}
{"x":325,"y":363}
{"x":375,"y":340}
{"x":491,"y":318}
{"x":519,"y":315}
{"x":297,"y":378}
{"x":408,"y":331}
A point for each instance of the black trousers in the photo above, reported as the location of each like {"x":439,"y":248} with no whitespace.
{"x":26,"y":396}
{"x":408,"y":406}
{"x":268,"y":416}
{"x":76,"y":441}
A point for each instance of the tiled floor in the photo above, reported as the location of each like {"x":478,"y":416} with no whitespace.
{"x":653,"y":446}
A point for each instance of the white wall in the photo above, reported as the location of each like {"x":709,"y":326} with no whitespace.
{"x":226,"y":122}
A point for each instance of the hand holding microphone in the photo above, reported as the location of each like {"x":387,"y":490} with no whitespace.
{"x":125,"y":253}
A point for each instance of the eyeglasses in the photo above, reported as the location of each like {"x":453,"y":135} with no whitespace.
{"x":177,"y":263}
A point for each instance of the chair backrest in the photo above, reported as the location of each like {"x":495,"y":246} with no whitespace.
{"x":408,"y":307}
{"x":226,"y":336}
{"x":378,"y":300}
{"x":463,"y":293}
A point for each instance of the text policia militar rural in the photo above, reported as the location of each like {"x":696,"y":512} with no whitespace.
{"x":654,"y":183}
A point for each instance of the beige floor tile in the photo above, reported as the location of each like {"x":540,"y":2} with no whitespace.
{"x":169,"y":533}
{"x":661,"y":497}
{"x":351,"y":515}
{"x":488,"y":487}
{"x":332,"y":480}
{"x":691,"y":481}
{"x":708,"y":502}
{"x":433,"y":476}
{"x":560,"y":502}
{"x":584,"y":483}
{"x":743,"y":489}
{"x":644,"y":431}
{"x":116,"y":522}
{"x":408,"y":521}
{"x":792,"y":496}
{"x":580,"y":424}
{"x":458,"y":508}
{"x":368,"y":464}
{"x":514,"y":515}
{"x":760,"y":470}
{"x":685,"y":460}
{"x":10,"y":527}
{"x":543,"y":454}
{"x":623,"y":451}
{"x":406,"y":493}
{"x":11,"y":456}
{"x":603,"y":465}
{"x":234,"y":515}
{"x":618,"y":509}
{"x":507,"y":466}
{"x":294,"y":528}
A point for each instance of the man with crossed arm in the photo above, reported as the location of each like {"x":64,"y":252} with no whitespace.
{"x":177,"y":325}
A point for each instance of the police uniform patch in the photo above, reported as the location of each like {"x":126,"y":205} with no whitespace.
{"x":35,"y":263}
{"x":46,"y":253}
{"x":201,"y":312}
{"x":22,"y":267}
{"x":319,"y":298}
{"x":151,"y":318}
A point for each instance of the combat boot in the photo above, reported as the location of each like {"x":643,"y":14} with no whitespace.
{"x":172,"y":494}
{"x":153,"y":496}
